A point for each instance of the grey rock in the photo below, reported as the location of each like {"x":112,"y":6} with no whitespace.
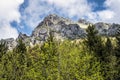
{"x":114,"y":30}
{"x":102,"y":28}
{"x":62,"y":28}
{"x":10,"y":43}
{"x":83,"y":21}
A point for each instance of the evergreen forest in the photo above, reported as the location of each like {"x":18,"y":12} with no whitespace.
{"x":94,"y":57}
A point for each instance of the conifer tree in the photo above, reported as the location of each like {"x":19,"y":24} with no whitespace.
{"x":19,"y":62}
{"x":117,"y":53}
{"x":117,"y":47}
{"x":108,"y":45}
{"x":3,"y":48}
{"x":49,"y":52}
{"x":110,"y":61}
{"x":20,"y":48}
{"x":93,"y":41}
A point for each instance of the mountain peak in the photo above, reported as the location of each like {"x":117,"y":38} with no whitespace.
{"x":63,"y":28}
{"x":83,"y":21}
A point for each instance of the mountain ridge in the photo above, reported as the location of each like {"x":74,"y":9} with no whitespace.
{"x":62,"y":28}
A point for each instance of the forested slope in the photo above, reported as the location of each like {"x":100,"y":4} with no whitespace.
{"x":92,"y":58}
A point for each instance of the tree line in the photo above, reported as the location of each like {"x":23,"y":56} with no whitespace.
{"x":93,"y":58}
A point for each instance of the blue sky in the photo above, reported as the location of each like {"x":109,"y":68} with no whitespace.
{"x":24,"y":15}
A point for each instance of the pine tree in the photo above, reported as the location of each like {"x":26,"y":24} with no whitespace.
{"x":117,"y":53}
{"x":117,"y":47}
{"x":93,"y":41}
{"x":20,"y":48}
{"x":109,"y":46}
{"x":110,"y":61}
{"x":19,"y":62}
{"x":50,"y":57}
{"x":3,"y":48}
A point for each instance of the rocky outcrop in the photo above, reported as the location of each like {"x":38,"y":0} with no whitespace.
{"x":106,"y":29}
{"x":102,"y":28}
{"x":62,"y":28}
{"x":83,"y":21}
{"x":114,"y":30}
{"x":10,"y":43}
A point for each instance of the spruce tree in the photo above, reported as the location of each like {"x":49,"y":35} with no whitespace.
{"x":110,"y":61}
{"x":117,"y":53}
{"x":117,"y":47}
{"x":93,"y":41}
{"x":3,"y":48}
{"x":20,"y":48}
{"x":19,"y":62}
{"x":50,"y":57}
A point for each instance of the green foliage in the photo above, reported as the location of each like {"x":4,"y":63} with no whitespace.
{"x":93,"y":41}
{"x":117,"y":53}
{"x":118,"y":46}
{"x":105,"y":53}
{"x":90,"y":59}
{"x":3,"y":48}
{"x":20,"y":48}
{"x":77,"y":64}
{"x":110,"y":61}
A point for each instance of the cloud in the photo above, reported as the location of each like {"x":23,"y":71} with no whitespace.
{"x":9,"y":11}
{"x":113,"y":5}
{"x":79,"y":8}
{"x":110,"y":14}
{"x":8,"y":32}
{"x":105,"y":15}
{"x":34,"y":13}
{"x":38,"y":9}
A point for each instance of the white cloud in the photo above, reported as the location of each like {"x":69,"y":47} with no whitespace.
{"x":105,"y":14}
{"x":68,"y":8}
{"x":72,"y":8}
{"x":110,"y":14}
{"x":38,"y":9}
{"x":8,"y":32}
{"x":9,"y":11}
{"x":114,"y":6}
{"x":34,"y":11}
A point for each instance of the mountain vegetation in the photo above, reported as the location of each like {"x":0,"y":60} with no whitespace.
{"x":92,"y":58}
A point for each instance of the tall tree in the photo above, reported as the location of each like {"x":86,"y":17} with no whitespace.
{"x":20,"y":48}
{"x":110,"y":61}
{"x":93,"y":41}
{"x":117,"y":47}
{"x":117,"y":53}
{"x":3,"y":48}
{"x":50,"y":57}
{"x":19,"y":62}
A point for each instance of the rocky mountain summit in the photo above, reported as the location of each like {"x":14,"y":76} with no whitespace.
{"x":62,"y":28}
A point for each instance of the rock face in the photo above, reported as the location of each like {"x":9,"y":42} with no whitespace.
{"x":10,"y":42}
{"x":62,"y":28}
{"x":102,"y":28}
{"x":114,"y":30}
{"x":106,"y":29}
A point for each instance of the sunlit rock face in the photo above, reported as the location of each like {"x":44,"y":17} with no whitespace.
{"x":10,"y":43}
{"x":102,"y":28}
{"x":62,"y":28}
{"x":114,"y":30}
